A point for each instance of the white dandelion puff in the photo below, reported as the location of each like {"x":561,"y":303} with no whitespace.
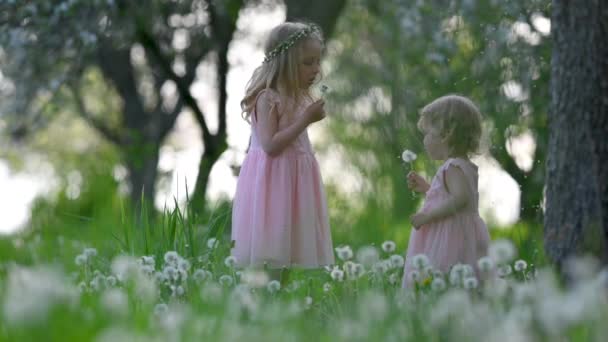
{"x":344,"y":253}
{"x":80,"y":259}
{"x":226,"y":280}
{"x":90,"y":252}
{"x":161,"y":309}
{"x":520,"y":265}
{"x":504,"y":270}
{"x":420,"y":261}
{"x":230,"y":261}
{"x":368,"y":255}
{"x":485,"y":264}
{"x":502,"y":251}
{"x":438,"y":284}
{"x":397,"y":261}
{"x":212,"y":243}
{"x":408,"y":156}
{"x":337,"y":275}
{"x":171,"y":257}
{"x":388,"y":246}
{"x":414,"y":276}
{"x":326,"y":287}
{"x":470,"y":283}
{"x":273,"y":286}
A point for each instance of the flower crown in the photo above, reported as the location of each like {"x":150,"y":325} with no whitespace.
{"x":289,"y":42}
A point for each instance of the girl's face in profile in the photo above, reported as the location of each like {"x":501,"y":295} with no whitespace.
{"x":435,"y":144}
{"x":310,"y":62}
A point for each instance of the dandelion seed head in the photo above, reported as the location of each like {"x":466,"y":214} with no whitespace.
{"x":337,"y":275}
{"x":368,"y":255}
{"x":470,"y":283}
{"x":420,"y":261}
{"x":438,"y":284}
{"x":212,"y":243}
{"x":389,"y":246}
{"x":226,"y":280}
{"x":172,"y":258}
{"x":408,"y":156}
{"x":344,"y":253}
{"x":520,"y":265}
{"x":502,"y":251}
{"x":485,"y":264}
{"x":230,"y":261}
{"x":273,"y":286}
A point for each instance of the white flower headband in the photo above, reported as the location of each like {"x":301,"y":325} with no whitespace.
{"x":289,"y":42}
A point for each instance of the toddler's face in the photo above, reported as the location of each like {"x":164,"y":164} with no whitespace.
{"x":310,"y":62}
{"x":435,"y":144}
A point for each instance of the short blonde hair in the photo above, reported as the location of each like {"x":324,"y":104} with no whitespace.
{"x":458,"y":121}
{"x":281,"y":71}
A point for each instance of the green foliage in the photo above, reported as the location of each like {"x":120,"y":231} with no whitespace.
{"x":389,"y":60}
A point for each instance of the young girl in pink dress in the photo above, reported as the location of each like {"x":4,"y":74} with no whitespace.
{"x":279,"y":214}
{"x":448,"y":229}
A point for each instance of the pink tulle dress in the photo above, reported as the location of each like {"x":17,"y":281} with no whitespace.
{"x":279,"y":213}
{"x":459,"y":238}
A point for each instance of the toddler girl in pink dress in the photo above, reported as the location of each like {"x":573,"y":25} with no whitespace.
{"x":448,"y":229}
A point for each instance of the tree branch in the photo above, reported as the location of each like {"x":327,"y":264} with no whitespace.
{"x":96,"y":123}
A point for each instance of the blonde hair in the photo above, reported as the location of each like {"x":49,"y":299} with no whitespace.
{"x":281,"y":71}
{"x":458,"y":121}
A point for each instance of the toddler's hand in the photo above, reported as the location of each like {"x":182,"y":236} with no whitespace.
{"x":419,"y":219}
{"x":315,"y":111}
{"x":417,"y":183}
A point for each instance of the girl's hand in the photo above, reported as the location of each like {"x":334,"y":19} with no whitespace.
{"x":419,"y":219}
{"x":315,"y":111}
{"x":416,"y":183}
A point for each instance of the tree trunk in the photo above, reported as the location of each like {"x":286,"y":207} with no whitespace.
{"x":576,"y":218}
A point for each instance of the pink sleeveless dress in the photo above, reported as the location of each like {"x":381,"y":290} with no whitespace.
{"x":279,"y":213}
{"x":459,"y":238}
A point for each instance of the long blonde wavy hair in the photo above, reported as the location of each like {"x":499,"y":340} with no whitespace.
{"x":280,"y":72}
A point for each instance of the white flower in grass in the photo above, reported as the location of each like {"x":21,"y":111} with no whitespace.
{"x":82,"y":287}
{"x":97,"y":283}
{"x":160,"y":277}
{"x":408,"y":156}
{"x":381,"y":267}
{"x":393,"y":279}
{"x":80,"y":260}
{"x":368,"y":255}
{"x":212,"y":243}
{"x":200,"y":275}
{"x":470,"y":283}
{"x":485,"y":264}
{"x":230,"y":261}
{"x":420,"y":261}
{"x":344,"y":253}
{"x":273,"y":286}
{"x":147,"y":269}
{"x":90,"y":252}
{"x":359,"y":271}
{"x":148,"y":260}
{"x":183,"y":265}
{"x":520,"y":265}
{"x":502,"y":251}
{"x":255,"y":278}
{"x":111,"y":281}
{"x":397,"y":261}
{"x":326,"y":287}
{"x":172,"y":258}
{"x":458,"y":273}
{"x":437,"y":273}
{"x":161,"y":309}
{"x":226,"y":280}
{"x":115,"y":301}
{"x":171,"y":273}
{"x":438,"y":284}
{"x":428,"y":271}
{"x":349,"y":268}
{"x":388,"y":246}
{"x":308,"y":301}
{"x":504,"y":270}
{"x":177,"y":291}
{"x":414,"y":276}
{"x":337,"y":275}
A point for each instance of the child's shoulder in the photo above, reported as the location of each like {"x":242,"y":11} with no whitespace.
{"x":462,"y":163}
